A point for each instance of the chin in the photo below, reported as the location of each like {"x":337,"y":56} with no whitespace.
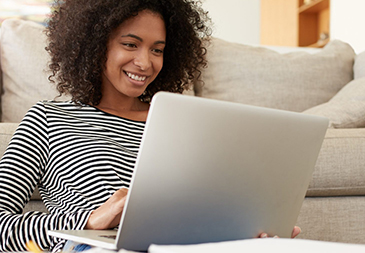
{"x":135,"y":94}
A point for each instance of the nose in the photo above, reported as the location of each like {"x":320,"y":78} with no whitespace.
{"x":142,"y":60}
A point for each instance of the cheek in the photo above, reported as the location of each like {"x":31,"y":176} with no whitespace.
{"x":109,"y":66}
{"x":159,"y":65}
{"x":116,"y":59}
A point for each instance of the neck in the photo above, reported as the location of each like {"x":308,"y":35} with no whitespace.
{"x":130,"y":108}
{"x":122,"y":104}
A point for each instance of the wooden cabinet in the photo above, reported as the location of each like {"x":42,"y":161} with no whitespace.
{"x":295,"y":22}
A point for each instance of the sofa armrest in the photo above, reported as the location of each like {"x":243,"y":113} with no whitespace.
{"x":340,"y":166}
{"x":6,"y":132}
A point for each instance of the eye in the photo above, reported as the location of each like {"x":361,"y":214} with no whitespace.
{"x":131,"y":45}
{"x":157,"y":51}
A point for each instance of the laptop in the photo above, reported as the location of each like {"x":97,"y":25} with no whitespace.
{"x":211,"y":171}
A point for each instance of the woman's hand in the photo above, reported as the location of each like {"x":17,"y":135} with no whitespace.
{"x":108,"y":214}
{"x":296,"y":231}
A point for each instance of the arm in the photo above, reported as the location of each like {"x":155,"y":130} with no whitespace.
{"x":21,"y":169}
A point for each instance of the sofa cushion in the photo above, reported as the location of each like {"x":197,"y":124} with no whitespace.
{"x":6,"y":132}
{"x":339,"y":170}
{"x":24,"y":64}
{"x":259,"y":76}
{"x":1,"y":72}
{"x":339,"y":219}
{"x":347,"y":108}
{"x":359,"y":66}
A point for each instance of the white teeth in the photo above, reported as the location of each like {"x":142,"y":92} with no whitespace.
{"x":135,"y":77}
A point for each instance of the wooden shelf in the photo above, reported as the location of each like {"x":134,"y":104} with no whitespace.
{"x":320,"y":43}
{"x":314,"y":7}
{"x":313,"y":23}
{"x":293,"y":23}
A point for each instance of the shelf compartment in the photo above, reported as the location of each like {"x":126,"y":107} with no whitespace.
{"x":314,"y":7}
{"x":313,"y":22}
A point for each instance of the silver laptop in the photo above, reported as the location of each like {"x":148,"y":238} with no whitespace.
{"x":210,"y":171}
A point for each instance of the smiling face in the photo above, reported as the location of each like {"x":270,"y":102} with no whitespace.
{"x":134,"y":56}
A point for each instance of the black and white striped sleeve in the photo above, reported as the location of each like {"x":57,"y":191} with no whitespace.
{"x":21,"y":168}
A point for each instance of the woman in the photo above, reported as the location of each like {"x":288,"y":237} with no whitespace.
{"x":111,"y":57}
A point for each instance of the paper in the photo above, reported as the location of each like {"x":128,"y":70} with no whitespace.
{"x":262,"y":245}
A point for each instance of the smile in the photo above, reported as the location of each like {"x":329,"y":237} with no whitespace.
{"x":136,"y":77}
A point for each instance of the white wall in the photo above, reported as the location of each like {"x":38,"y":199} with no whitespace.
{"x":235,"y":20}
{"x":347,"y":22}
{"x":239,"y":21}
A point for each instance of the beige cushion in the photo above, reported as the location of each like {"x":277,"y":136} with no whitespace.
{"x":24,"y":63}
{"x":35,"y":205}
{"x":339,"y":219}
{"x":359,"y":66}
{"x":259,"y":76}
{"x":347,"y":108}
{"x":1,"y":72}
{"x":339,"y":170}
{"x":6,"y":132}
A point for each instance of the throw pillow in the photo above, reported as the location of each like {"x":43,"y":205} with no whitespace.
{"x":359,"y":66}
{"x":1,"y":72}
{"x":24,"y":66}
{"x":347,"y":108}
{"x":260,"y":76}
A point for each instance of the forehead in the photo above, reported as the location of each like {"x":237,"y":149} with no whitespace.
{"x":144,"y":23}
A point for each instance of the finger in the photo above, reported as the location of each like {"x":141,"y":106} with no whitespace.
{"x":120,"y":198}
{"x":296,"y":231}
{"x":263,"y":235}
{"x":122,"y":192}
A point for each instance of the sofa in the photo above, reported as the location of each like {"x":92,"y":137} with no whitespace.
{"x":329,"y":82}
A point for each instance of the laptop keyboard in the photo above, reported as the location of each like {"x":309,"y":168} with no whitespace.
{"x":109,"y":236}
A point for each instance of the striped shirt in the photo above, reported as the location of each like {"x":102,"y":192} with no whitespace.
{"x":77,"y":155}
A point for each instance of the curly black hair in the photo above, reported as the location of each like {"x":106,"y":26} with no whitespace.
{"x":78,"y":32}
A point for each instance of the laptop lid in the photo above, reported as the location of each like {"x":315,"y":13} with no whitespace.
{"x":211,"y":171}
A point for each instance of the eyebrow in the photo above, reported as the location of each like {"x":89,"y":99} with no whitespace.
{"x":140,"y":39}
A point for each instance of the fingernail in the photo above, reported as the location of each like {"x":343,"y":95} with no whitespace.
{"x":264,"y":235}
{"x":276,"y":236}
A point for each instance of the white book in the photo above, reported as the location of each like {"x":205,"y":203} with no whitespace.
{"x":262,"y":245}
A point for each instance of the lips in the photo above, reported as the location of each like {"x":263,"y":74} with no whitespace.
{"x":135,"y":77}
